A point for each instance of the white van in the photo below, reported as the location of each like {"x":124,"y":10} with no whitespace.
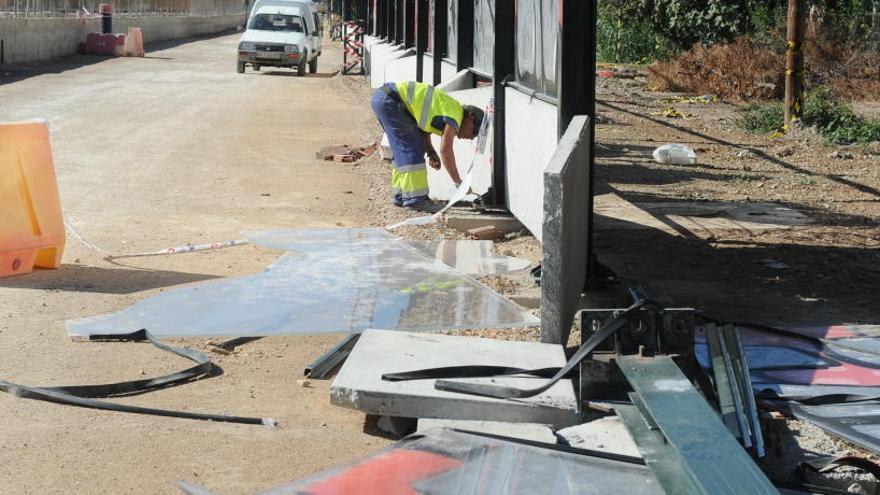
{"x":281,"y":34}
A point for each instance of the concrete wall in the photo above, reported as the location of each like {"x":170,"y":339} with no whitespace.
{"x":531,"y":141}
{"x":32,"y":40}
{"x":387,"y":62}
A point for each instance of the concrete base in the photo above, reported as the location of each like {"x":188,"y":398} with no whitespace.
{"x":359,"y":384}
{"x":605,"y":435}
{"x":523,"y":431}
{"x":464,"y":220}
{"x":566,"y":236}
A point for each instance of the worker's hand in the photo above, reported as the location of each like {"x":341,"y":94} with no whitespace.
{"x":434,"y":161}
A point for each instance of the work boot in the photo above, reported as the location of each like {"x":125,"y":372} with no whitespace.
{"x":397,"y":200}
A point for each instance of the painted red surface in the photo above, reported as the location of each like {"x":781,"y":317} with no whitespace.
{"x":103,"y":44}
{"x":392,"y":473}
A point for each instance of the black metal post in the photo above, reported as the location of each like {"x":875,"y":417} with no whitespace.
{"x":398,"y":21}
{"x":576,"y":69}
{"x":106,"y":11}
{"x":389,"y":20}
{"x":464,"y":53}
{"x":505,"y":19}
{"x":344,"y":14}
{"x":380,"y":19}
{"x":440,"y":41}
{"x":422,"y":15}
{"x":409,"y":23}
{"x":368,"y":17}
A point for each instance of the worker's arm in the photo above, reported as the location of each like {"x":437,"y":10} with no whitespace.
{"x":433,"y":159}
{"x":447,"y":155}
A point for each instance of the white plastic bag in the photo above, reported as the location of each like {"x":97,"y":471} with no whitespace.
{"x":675,"y":154}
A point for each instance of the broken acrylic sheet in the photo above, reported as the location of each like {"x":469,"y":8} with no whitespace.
{"x":464,"y":189}
{"x":447,"y":462}
{"x":474,"y":258}
{"x":824,"y":375}
{"x":330,"y":281}
{"x":833,"y":356}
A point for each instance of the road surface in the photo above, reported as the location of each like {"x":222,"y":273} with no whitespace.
{"x":156,"y":152}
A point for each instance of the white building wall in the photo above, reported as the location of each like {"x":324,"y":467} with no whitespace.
{"x":531,"y":138}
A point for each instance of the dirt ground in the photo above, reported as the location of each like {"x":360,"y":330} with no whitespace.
{"x":833,"y":260}
{"x":179,"y":148}
{"x":158,"y":152}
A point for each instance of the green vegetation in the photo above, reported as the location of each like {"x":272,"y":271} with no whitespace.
{"x":833,"y":119}
{"x":645,"y":30}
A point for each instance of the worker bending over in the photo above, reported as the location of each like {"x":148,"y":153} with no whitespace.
{"x":410,"y":112}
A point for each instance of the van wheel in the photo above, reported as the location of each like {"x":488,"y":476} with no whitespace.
{"x":301,"y":68}
{"x":313,"y":66}
{"x":240,"y":68}
{"x":257,"y":68}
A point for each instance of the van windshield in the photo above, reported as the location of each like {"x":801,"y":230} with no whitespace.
{"x":277,"y":22}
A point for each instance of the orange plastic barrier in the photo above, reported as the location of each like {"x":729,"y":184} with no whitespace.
{"x":31,"y":225}
{"x":134,"y":43}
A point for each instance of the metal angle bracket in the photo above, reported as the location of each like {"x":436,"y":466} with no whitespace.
{"x":670,"y":331}
{"x":681,"y":436}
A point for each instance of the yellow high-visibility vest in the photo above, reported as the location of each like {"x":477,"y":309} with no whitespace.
{"x":425,"y":102}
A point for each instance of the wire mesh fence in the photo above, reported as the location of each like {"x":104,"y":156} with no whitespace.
{"x":123,"y":8}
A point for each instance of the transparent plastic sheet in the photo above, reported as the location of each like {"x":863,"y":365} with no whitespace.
{"x":452,"y":30}
{"x":549,"y":44}
{"x":484,"y":35}
{"x":330,"y":281}
{"x":474,"y":258}
{"x":537,"y":28}
{"x":526,"y":42}
{"x":442,"y":462}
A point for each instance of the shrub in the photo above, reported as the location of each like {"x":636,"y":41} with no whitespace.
{"x":832,"y":118}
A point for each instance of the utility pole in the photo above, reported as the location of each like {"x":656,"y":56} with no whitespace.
{"x":794,"y":63}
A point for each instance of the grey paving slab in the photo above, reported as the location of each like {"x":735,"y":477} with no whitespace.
{"x":359,"y":384}
{"x":566,"y":233}
{"x":330,"y":281}
{"x":524,"y":431}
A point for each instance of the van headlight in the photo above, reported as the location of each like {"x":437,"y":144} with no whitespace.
{"x":291,"y":49}
{"x":247,"y":46}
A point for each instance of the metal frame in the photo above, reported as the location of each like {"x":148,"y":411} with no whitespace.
{"x":409,"y":28}
{"x":422,"y":17}
{"x":464,"y":52}
{"x":441,"y":22}
{"x":504,"y":66}
{"x":577,"y":87}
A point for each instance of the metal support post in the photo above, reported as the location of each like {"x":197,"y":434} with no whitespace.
{"x":421,"y":37}
{"x":504,"y":66}
{"x":577,"y":88}
{"x":440,"y":40}
{"x":398,"y":21}
{"x":409,"y":28}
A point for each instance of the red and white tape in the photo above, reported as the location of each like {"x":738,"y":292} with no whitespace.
{"x":186,"y":248}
